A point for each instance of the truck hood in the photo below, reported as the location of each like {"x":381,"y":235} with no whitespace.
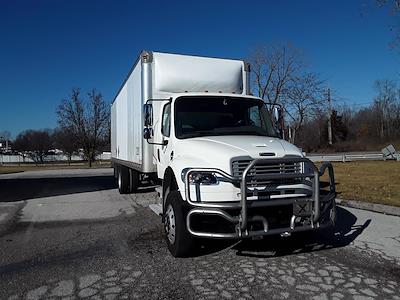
{"x":217,"y":152}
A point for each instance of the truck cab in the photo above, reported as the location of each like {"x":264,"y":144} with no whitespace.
{"x":219,"y":156}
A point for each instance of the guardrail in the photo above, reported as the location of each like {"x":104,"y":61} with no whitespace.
{"x":343,"y":157}
{"x":347,"y":157}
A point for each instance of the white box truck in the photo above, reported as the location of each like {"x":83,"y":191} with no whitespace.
{"x":190,"y":124}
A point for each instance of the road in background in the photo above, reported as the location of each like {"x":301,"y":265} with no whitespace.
{"x":77,"y":237}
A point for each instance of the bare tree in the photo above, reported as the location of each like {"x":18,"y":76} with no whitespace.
{"x":65,"y":140}
{"x":302,"y":98}
{"x":280,"y":76}
{"x":311,"y":136}
{"x":34,"y":143}
{"x":274,"y":70}
{"x":385,"y":106}
{"x":88,"y":119}
{"x":394,"y":3}
{"x":395,"y":13}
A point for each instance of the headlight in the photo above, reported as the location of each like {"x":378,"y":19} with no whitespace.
{"x":308,"y":168}
{"x":203,"y":178}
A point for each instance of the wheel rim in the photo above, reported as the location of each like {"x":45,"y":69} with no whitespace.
{"x":170,"y":224}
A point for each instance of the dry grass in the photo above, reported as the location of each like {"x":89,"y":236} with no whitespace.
{"x":7,"y":169}
{"x":370,"y":181}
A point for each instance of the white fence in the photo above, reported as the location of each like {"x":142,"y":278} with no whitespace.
{"x":17,"y":159}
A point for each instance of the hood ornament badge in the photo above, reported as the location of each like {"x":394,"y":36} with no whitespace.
{"x":267,"y":154}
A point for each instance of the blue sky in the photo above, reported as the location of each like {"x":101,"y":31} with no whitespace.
{"x":49,"y":47}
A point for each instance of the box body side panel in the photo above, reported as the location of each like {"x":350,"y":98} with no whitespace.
{"x":126,"y":120}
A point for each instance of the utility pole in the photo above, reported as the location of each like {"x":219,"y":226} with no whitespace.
{"x":282,"y":120}
{"x":329,"y":118}
{"x":1,"y":155}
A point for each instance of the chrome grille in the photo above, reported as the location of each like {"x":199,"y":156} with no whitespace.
{"x":255,"y":175}
{"x":238,"y":166}
{"x":273,"y":178}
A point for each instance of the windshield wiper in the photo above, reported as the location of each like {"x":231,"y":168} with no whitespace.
{"x":198,"y":134}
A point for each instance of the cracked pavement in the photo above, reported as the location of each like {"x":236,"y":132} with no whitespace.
{"x":93,"y":243}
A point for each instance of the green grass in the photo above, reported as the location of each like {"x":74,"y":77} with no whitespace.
{"x":369,"y":181}
{"x":7,"y":169}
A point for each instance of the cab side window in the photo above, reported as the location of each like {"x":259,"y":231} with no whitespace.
{"x":166,"y":120}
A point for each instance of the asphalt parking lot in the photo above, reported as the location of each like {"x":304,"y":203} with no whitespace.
{"x":74,"y":236}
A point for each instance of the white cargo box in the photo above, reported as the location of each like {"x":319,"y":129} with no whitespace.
{"x":161,"y":75}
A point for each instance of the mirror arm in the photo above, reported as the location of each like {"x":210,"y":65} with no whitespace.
{"x":160,"y":144}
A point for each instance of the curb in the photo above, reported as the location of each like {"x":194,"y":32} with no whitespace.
{"x":11,"y":172}
{"x":378,"y":208}
{"x":8,"y":214}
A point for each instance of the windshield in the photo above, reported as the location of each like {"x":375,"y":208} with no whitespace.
{"x":207,"y":116}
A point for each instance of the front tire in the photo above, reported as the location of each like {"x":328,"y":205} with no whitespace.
{"x":330,"y":217}
{"x":179,"y":241}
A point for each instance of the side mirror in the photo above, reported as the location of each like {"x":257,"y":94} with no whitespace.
{"x":278,"y":118}
{"x":147,"y":133}
{"x":148,"y":115}
{"x":276,"y":112}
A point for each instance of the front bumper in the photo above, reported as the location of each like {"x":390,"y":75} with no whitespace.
{"x":251,"y":218}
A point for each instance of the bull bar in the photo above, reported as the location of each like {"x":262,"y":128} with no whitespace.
{"x":241,"y":221}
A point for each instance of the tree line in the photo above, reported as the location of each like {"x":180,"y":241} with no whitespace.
{"x":83,"y":128}
{"x":281,"y":75}
{"x":358,"y":129}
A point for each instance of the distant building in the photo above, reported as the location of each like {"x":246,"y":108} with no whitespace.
{"x":5,"y":146}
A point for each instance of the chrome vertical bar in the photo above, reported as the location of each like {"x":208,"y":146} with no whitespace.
{"x":316,"y":196}
{"x":246,"y":78}
{"x":147,"y":93}
{"x":243,"y":199}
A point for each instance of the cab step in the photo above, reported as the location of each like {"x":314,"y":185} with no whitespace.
{"x":156,"y":208}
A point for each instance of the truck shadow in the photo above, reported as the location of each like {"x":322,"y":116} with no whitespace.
{"x":346,"y":231}
{"x":30,"y":188}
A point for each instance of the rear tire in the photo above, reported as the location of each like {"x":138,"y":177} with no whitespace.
{"x":134,"y":180}
{"x":123,"y":180}
{"x":179,"y":241}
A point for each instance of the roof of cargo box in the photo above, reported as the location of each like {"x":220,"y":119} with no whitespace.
{"x":205,"y":95}
{"x":176,"y":73}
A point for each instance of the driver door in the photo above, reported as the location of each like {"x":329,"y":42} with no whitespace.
{"x":163,"y":152}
